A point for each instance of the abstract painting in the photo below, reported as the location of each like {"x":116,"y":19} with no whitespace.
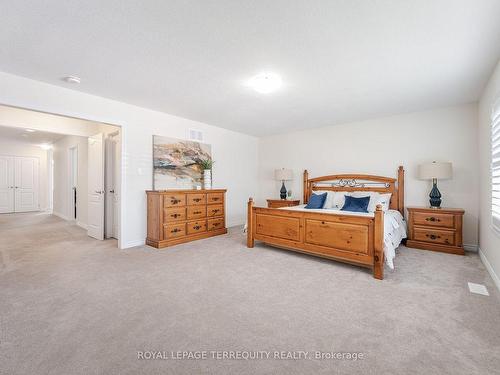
{"x":175,"y":163}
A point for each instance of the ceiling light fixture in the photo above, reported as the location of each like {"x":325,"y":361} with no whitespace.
{"x":46,"y":146}
{"x":72,"y":79}
{"x":30,"y":130}
{"x":265,"y":83}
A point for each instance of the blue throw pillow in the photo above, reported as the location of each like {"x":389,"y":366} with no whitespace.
{"x":356,"y":204}
{"x":316,"y":200}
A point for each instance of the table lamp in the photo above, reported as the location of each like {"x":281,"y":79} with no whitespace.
{"x":434,"y":171}
{"x":283,"y":175}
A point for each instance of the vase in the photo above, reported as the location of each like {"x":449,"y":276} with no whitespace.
{"x":207,"y":178}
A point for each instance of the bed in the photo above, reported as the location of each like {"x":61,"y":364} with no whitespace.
{"x":364,"y":239}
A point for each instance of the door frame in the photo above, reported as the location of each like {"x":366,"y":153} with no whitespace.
{"x":122,"y":151}
{"x":73,"y":153}
{"x":112,"y":171}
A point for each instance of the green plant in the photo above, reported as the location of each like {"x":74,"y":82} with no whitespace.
{"x":205,"y":163}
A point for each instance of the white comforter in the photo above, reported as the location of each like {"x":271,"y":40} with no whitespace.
{"x":394,"y":227}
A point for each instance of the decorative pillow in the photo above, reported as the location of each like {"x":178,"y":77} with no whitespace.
{"x":374,"y":198}
{"x":356,"y":204}
{"x":330,"y":195}
{"x":385,"y":201}
{"x":316,"y":201}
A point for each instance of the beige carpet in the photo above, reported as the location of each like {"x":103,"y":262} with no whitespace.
{"x":73,"y":305}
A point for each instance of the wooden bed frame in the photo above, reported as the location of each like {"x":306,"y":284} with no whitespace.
{"x":348,"y":238}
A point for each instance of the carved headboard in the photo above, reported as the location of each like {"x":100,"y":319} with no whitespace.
{"x":359,"y":182}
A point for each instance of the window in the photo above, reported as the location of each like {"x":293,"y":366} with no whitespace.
{"x":495,"y":166}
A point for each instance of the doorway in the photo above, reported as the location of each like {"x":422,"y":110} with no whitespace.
{"x":73,"y":181}
{"x":18,"y":184}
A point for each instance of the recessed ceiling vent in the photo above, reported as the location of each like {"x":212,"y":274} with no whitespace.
{"x":195,"y":135}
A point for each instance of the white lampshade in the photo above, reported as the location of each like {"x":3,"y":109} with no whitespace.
{"x":440,"y":170}
{"x":283,"y":174}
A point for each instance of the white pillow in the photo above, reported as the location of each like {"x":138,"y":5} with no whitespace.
{"x":339,"y":199}
{"x":329,"y":197}
{"x":385,"y":201}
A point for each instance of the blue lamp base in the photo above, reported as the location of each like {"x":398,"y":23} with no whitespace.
{"x":435,"y":195}
{"x":283,"y":190}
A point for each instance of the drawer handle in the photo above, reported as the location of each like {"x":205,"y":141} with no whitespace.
{"x":175,"y":216}
{"x":432,"y":218}
{"x":197,"y":199}
{"x":432,"y":236}
{"x":215,"y":211}
{"x":176,"y":230}
{"x":196,"y":212}
{"x":174,"y":201}
{"x":196,"y":227}
{"x":215,"y":198}
{"x":216,"y":224}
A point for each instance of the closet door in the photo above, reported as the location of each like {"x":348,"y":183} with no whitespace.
{"x":26,"y":184}
{"x":6,"y":184}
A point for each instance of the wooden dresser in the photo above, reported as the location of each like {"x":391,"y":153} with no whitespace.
{"x":437,"y":229}
{"x":177,"y":216}
{"x":277,"y":203}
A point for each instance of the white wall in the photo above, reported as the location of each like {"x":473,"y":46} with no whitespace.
{"x":378,"y":147}
{"x":489,"y":240}
{"x":235,"y":153}
{"x":62,"y":193}
{"x":13,"y":148}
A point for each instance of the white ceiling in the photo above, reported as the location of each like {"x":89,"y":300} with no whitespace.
{"x":35,"y":138}
{"x":340,"y":60}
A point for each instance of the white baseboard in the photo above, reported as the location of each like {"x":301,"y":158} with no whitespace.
{"x":470,"y":247}
{"x":490,"y":269}
{"x":82,"y":225}
{"x":126,"y":245}
{"x":58,"y":214}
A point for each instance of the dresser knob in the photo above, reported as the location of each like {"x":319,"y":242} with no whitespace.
{"x":175,"y":230}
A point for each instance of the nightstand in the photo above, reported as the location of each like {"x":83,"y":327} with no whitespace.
{"x":277,"y":203}
{"x":436,"y":229}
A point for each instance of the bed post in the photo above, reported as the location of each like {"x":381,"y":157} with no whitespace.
{"x":306,"y":186}
{"x":378,"y":246}
{"x":250,"y":224}
{"x":401,"y":190}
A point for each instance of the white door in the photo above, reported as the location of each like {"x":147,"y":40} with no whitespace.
{"x":112,"y":186}
{"x":96,"y":186}
{"x":6,"y":184}
{"x":26,"y":184}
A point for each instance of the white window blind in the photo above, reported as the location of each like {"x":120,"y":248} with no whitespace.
{"x":495,"y":167}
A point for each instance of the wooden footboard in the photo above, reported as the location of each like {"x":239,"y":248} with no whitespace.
{"x":347,"y":238}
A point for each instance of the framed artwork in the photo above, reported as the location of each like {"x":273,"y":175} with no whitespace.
{"x":175,"y":163}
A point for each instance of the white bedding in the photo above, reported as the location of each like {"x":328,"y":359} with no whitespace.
{"x":394,"y":227}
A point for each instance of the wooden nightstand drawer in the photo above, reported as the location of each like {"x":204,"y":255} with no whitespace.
{"x":434,"y":219}
{"x":445,"y":237}
{"x":277,"y":203}
{"x":437,"y":229}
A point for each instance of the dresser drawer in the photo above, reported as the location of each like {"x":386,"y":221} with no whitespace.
{"x":174,"y":214}
{"x":440,"y":236}
{"x":215,"y":198}
{"x":174,"y":200}
{"x":174,"y":231}
{"x":215,"y":210}
{"x":434,"y":219}
{"x":196,"y":212}
{"x":196,"y":226}
{"x":196,"y":199}
{"x":214,"y":224}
